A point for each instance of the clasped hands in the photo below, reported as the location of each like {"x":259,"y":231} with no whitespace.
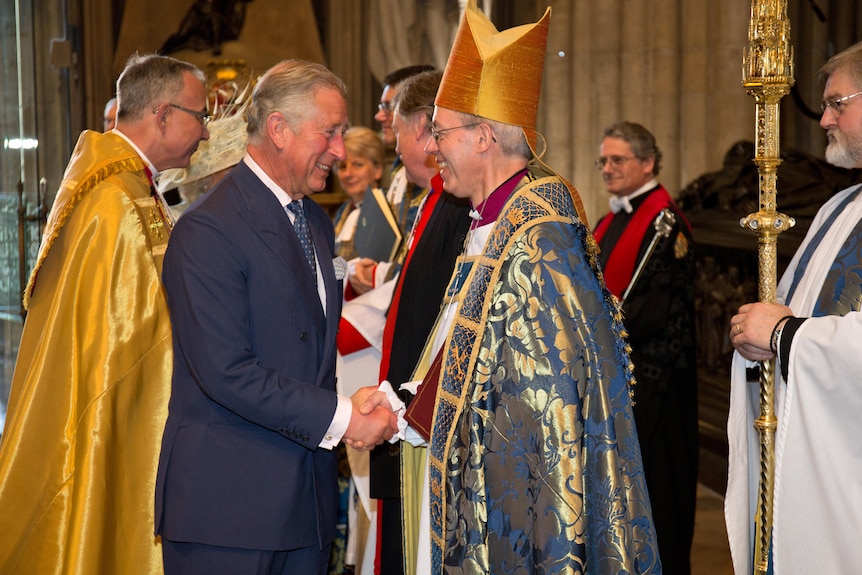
{"x":372,"y":420}
{"x":751,"y":329}
{"x":361,"y":275}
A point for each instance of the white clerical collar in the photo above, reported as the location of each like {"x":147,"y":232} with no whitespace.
{"x":618,"y":203}
{"x":153,"y":171}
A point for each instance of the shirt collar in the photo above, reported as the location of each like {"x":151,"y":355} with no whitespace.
{"x":618,"y":203}
{"x":154,"y":173}
{"x":279,"y":193}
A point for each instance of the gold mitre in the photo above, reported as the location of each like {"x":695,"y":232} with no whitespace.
{"x":496,"y":75}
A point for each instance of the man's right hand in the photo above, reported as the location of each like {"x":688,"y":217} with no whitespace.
{"x":751,"y":329}
{"x":372,"y":421}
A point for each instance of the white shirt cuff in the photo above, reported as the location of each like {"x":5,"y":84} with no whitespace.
{"x":339,"y":423}
{"x":412,"y":436}
{"x":398,"y":408}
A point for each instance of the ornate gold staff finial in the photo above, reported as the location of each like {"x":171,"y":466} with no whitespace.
{"x":767,"y":74}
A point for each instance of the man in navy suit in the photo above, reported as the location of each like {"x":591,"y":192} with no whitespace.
{"x":247,"y":476}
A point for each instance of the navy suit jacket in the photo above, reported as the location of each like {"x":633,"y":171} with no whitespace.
{"x":253,"y":389}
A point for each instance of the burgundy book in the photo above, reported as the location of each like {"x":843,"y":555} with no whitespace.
{"x":420,"y":412}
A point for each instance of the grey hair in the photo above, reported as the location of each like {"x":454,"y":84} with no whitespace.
{"x":510,"y":137}
{"x":417,"y":95}
{"x":149,"y":80}
{"x":640,"y":139}
{"x":288,"y":88}
{"x":849,"y":60}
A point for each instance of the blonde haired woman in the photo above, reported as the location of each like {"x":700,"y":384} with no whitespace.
{"x":360,"y":171}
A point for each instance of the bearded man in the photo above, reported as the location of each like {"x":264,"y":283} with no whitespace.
{"x":813,"y":332}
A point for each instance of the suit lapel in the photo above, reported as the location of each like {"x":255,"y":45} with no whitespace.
{"x":324,"y":248}
{"x":270,"y":222}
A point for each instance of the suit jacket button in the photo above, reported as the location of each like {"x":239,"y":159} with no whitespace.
{"x":303,"y":336}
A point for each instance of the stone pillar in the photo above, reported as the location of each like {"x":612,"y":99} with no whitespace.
{"x":674,"y":66}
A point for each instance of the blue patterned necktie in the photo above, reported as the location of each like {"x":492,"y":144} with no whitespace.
{"x":300,"y":224}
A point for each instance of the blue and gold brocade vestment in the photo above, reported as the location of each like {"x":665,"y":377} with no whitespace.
{"x":534,"y":460}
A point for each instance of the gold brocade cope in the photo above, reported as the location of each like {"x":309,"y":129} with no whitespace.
{"x":95,"y":158}
{"x":91,"y":385}
{"x":534,"y":458}
{"x":494,"y":74}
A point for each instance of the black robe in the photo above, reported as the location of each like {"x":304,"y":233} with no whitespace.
{"x":423,"y":284}
{"x":659,"y":317}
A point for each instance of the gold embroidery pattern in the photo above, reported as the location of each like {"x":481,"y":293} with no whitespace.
{"x":157,"y":225}
{"x":532,"y":424}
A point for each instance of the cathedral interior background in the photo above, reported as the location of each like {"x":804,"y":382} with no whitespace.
{"x":673,"y":65}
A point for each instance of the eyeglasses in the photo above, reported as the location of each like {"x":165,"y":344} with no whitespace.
{"x":203,"y":117}
{"x":614,"y":161}
{"x":385,"y":106}
{"x":837,"y":104}
{"x":436,"y":133}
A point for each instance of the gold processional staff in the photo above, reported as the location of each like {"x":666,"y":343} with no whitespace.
{"x":767,"y":76}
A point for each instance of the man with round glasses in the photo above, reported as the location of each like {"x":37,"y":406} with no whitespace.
{"x":532,"y":461}
{"x":391,"y":85}
{"x":658,"y":312}
{"x":202,"y":115}
{"x":813,"y":333}
{"x":837,"y":104}
{"x":403,"y":196}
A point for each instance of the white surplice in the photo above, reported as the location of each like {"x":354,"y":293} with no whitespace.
{"x":818,"y":450}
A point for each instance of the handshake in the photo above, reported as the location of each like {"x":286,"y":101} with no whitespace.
{"x":372,"y":420}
